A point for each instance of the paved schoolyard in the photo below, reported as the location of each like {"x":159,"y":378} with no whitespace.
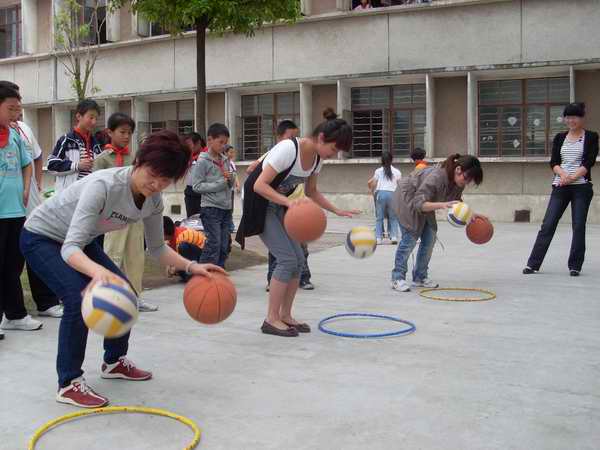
{"x":519,"y":372}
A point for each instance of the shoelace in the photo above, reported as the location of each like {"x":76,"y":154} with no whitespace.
{"x":82,"y":387}
{"x":127,"y":363}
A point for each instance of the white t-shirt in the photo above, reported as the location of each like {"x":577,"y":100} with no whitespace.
{"x":281,"y":157}
{"x":34,"y":149}
{"x":384,"y":183}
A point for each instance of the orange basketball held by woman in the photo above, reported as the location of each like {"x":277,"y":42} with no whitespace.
{"x":210,"y":300}
{"x":305,"y":221}
{"x":480,"y":230}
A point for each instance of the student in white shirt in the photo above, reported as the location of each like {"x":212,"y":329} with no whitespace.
{"x":288,"y":164}
{"x":384,"y":183}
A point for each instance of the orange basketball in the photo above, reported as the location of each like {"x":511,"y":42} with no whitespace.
{"x":210,"y":300}
{"x":305,"y":222}
{"x":480,"y":230}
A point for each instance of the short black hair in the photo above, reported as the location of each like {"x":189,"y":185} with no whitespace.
{"x":216,"y":130}
{"x":168,"y":226}
{"x":119,"y":119}
{"x":165,"y":153}
{"x":87,"y":105}
{"x":417,"y":154}
{"x":6,"y":93}
{"x":10,"y":85}
{"x":195,"y":138}
{"x":285,"y":125}
{"x":574,"y":109}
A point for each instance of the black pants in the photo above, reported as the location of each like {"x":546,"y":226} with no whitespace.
{"x":191,"y":252}
{"x":43,"y":297}
{"x":11,"y":266}
{"x":580,"y":197}
{"x":192,"y":201}
{"x":304,"y":275}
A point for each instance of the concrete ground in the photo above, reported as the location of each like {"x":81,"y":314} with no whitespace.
{"x":518,"y":372}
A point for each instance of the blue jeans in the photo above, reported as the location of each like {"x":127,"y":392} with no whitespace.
{"x":43,"y":256}
{"x":580,"y":197}
{"x":383,"y":204}
{"x":405,"y":248}
{"x":216,"y":227}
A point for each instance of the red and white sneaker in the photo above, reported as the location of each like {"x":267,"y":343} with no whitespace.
{"x":124,"y":370}
{"x":78,"y":393}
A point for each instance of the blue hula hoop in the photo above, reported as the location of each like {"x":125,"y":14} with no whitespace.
{"x":411,"y":326}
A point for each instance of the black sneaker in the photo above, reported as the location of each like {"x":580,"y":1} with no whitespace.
{"x":528,"y":270}
{"x":308,"y":286}
{"x":574,"y":273}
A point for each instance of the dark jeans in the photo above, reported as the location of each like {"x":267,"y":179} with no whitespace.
{"x":42,"y":295}
{"x":192,"y":201}
{"x":216,"y":228}
{"x":191,"y":252}
{"x":11,"y":266}
{"x":580,"y":197}
{"x":43,"y":255}
{"x":304,"y":276}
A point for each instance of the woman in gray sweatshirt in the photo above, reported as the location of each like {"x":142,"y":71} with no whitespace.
{"x":58,"y":242}
{"x":415,"y":201}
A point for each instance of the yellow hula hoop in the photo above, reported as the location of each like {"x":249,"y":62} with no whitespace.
{"x":118,"y":409}
{"x":489,"y":295}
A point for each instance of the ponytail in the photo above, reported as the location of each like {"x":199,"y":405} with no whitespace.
{"x":334,"y":130}
{"x":386,"y":162}
{"x":470,"y":166}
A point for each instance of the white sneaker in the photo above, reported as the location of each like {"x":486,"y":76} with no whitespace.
{"x":379,"y":241}
{"x":55,"y":311}
{"x":146,"y":307}
{"x":400,"y":285}
{"x":426,"y":283}
{"x":27,"y":323}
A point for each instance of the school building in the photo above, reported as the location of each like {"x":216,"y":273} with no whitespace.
{"x":484,"y":77}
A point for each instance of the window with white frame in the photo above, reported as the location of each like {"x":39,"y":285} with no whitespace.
{"x":10,"y":31}
{"x":260,"y":116}
{"x":388,"y":118}
{"x":521,"y":117}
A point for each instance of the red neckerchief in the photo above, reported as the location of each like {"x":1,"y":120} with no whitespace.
{"x":119,"y":152}
{"x":4,"y":134}
{"x":87,"y":138}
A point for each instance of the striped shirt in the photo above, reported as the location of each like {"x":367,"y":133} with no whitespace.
{"x":571,"y":155}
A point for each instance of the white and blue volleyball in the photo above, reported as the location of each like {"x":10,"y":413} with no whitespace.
{"x":361,"y":242}
{"x":459,"y":215}
{"x":109,"y":309}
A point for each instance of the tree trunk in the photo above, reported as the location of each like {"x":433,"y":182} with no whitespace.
{"x":200,"y":123}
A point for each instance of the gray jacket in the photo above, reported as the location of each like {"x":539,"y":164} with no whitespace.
{"x":428,"y":185}
{"x":207,"y":179}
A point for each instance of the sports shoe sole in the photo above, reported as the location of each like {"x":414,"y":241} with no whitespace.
{"x":120,"y":376}
{"x":47,"y":314}
{"x":68,"y":401}
{"x":13,"y":328}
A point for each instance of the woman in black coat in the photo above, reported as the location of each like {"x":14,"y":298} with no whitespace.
{"x":574,"y":153}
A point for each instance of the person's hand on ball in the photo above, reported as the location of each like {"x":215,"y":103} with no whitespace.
{"x":205,"y":269}
{"x":105,"y":276}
